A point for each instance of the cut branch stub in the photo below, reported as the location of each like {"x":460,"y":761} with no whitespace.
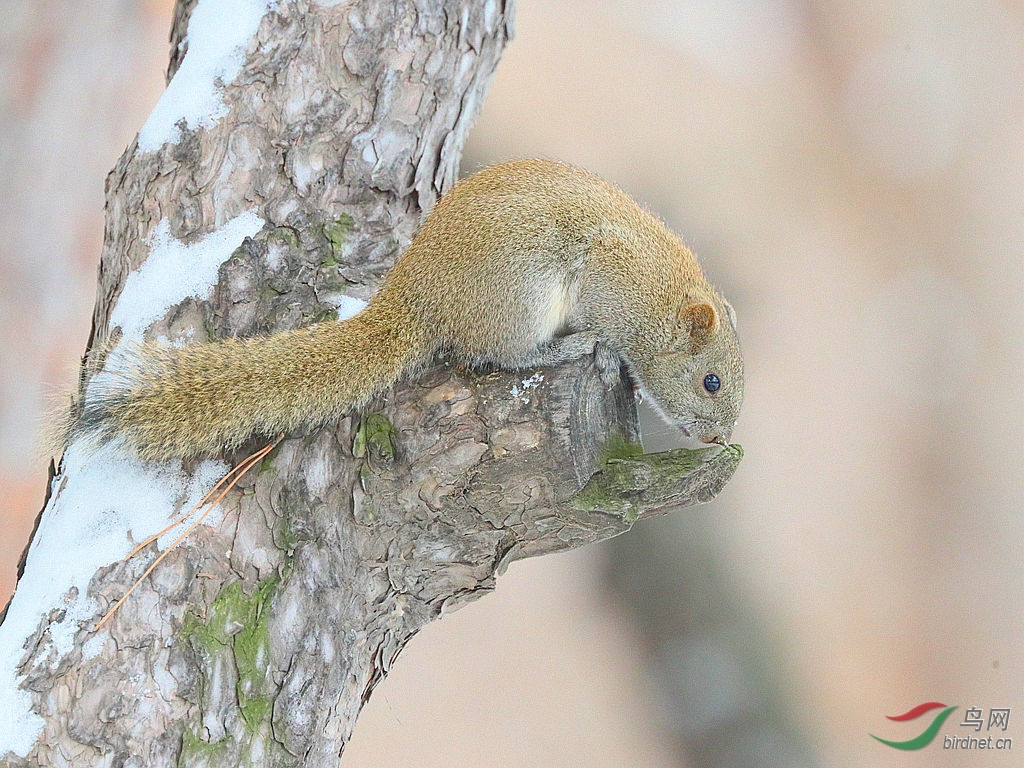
{"x":647,"y":484}
{"x":415,"y":506}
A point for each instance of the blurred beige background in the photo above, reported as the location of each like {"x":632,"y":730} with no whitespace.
{"x":852,"y":176}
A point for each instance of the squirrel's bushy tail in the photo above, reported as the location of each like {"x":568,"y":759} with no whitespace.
{"x":178,"y":402}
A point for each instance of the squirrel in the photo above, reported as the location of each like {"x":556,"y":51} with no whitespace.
{"x":525,"y":264}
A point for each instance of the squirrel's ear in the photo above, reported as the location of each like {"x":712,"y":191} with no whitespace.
{"x":695,"y":322}
{"x":730,"y":313}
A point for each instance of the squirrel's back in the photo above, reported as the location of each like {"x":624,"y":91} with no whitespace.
{"x":505,"y":259}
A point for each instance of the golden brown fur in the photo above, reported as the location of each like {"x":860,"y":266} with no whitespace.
{"x":523,"y":264}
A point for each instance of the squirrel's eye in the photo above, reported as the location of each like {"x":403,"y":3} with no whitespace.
{"x":712,"y":383}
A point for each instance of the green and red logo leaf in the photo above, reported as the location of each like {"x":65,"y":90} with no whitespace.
{"x":925,"y":737}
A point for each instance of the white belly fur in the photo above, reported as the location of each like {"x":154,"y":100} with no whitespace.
{"x":556,"y":312}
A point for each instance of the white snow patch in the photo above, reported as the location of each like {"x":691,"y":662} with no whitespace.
{"x":534,"y":381}
{"x":347,"y":306}
{"x":176,"y":270}
{"x":529,"y":385}
{"x":183,"y":340}
{"x":103,"y":504}
{"x":218,"y":33}
{"x":92,"y":647}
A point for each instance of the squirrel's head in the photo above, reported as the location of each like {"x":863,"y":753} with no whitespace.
{"x":696,"y":380}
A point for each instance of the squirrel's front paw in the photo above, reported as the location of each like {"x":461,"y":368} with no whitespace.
{"x":575,"y":346}
{"x":586,"y":343}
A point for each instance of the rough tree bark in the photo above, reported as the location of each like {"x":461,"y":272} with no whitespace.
{"x":258,"y":640}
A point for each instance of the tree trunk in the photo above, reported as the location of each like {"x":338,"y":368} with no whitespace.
{"x":259,"y":639}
